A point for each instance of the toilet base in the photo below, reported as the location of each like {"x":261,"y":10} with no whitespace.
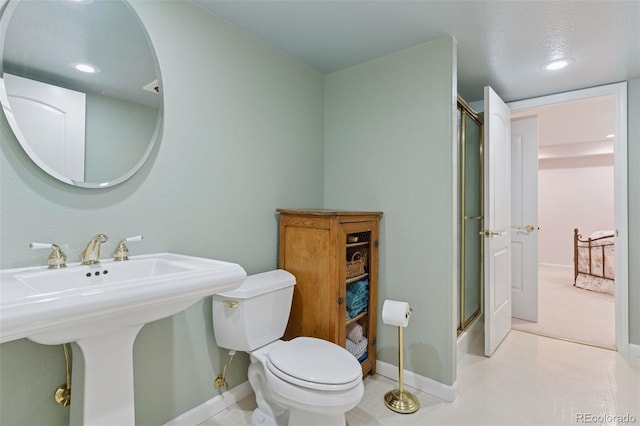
{"x":260,"y":418}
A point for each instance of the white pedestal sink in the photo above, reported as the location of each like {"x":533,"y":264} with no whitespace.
{"x":101,"y":308}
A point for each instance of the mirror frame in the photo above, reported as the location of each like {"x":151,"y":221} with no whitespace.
{"x":5,"y":18}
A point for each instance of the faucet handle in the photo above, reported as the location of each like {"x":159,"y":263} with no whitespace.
{"x":122,"y":252}
{"x":57,"y":259}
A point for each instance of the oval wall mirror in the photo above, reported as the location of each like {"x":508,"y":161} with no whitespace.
{"x":81,"y":88}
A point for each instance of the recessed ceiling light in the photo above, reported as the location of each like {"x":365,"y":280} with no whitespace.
{"x":88,"y":68}
{"x":557,"y":64}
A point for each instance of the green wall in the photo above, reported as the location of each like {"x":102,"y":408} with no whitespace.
{"x":110,"y":143}
{"x":242,"y":122}
{"x":390,"y":145}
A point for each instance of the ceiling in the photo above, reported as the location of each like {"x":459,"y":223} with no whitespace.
{"x":581,"y":128}
{"x":500,"y":43}
{"x":557,"y":122}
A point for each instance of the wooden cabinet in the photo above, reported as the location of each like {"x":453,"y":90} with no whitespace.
{"x":334,"y":257}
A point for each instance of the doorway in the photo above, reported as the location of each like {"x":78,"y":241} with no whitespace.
{"x":617,"y":93}
{"x":574,"y":191}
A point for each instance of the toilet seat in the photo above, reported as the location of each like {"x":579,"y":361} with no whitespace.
{"x":314,"y":364}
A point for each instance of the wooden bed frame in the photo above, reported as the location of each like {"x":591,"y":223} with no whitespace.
{"x":587,"y":244}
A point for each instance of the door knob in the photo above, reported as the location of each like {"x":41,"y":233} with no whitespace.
{"x":528,"y":228}
{"x":490,"y":233}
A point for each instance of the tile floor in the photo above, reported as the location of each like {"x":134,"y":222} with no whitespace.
{"x":530,"y":380}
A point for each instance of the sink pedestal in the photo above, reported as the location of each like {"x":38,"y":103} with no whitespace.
{"x":102,"y":379}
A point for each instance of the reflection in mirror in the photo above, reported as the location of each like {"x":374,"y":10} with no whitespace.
{"x":81,"y":88}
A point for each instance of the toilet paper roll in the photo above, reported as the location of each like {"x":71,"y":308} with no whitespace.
{"x":396,"y":313}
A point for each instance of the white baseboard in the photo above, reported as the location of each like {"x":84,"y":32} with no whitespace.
{"x":556,"y":265}
{"x":634,"y":350}
{"x":213,"y":406}
{"x":424,"y":384}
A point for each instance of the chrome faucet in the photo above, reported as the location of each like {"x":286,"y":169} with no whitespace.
{"x":91,"y":253}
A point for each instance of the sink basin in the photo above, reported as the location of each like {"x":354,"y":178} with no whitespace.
{"x":100,"y":309}
{"x":86,"y":276}
{"x":54,"y":306}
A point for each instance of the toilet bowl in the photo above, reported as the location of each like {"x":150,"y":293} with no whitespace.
{"x":303,"y":381}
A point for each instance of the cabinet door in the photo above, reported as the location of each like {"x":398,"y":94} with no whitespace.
{"x":308,"y":251}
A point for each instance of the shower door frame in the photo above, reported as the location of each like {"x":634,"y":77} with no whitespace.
{"x":467,"y":111}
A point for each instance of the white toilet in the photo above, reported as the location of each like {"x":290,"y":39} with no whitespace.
{"x":303,"y":381}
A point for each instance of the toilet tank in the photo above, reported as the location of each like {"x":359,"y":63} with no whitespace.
{"x":254,"y":314}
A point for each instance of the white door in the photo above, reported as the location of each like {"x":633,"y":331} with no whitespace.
{"x":497,"y":213}
{"x":524,"y":218}
{"x":52,"y":120}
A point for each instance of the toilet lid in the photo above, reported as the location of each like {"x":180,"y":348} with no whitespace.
{"x":308,"y":361}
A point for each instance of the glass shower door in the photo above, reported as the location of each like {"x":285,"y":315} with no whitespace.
{"x":470,"y":213}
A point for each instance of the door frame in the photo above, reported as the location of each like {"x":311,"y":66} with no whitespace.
{"x":621,"y":212}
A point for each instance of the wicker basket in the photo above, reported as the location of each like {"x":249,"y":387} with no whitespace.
{"x":355,"y":266}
